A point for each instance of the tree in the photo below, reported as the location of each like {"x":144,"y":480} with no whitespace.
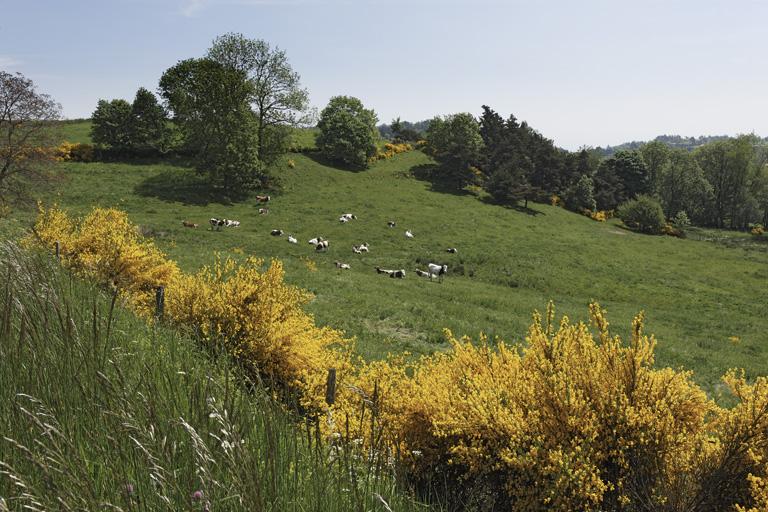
{"x":455,"y":142}
{"x":655,"y":154}
{"x":111,"y":124}
{"x":727,"y":165}
{"x":582,"y":195}
{"x":402,"y":132}
{"x":276,"y":97}
{"x":620,"y":178}
{"x":347,"y":132}
{"x":149,"y":123}
{"x":210,"y":104}
{"x":26,"y":136}
{"x":683,"y":187}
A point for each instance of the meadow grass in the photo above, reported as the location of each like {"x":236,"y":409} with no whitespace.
{"x":99,"y":410}
{"x":704,"y":297}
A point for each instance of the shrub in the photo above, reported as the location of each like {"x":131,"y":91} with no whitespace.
{"x":643,"y":214}
{"x":756,"y":229}
{"x":681,"y":220}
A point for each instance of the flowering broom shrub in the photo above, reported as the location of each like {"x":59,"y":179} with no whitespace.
{"x":575,"y":419}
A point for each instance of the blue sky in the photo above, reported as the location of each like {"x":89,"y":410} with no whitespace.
{"x":587,"y":72}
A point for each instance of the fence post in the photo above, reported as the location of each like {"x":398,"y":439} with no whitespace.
{"x":330,"y":387}
{"x":159,"y":302}
{"x":58,"y":250}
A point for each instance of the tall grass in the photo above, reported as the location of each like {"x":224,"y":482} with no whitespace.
{"x":100,"y":411}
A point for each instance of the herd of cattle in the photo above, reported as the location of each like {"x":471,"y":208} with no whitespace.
{"x":433,"y":271}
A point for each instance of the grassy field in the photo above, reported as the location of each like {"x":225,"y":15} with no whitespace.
{"x":703,"y":298}
{"x":99,"y":410}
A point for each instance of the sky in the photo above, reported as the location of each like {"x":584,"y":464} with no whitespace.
{"x":581,"y":72}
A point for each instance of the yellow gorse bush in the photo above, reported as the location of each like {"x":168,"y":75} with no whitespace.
{"x":574,"y":419}
{"x":391,"y":150}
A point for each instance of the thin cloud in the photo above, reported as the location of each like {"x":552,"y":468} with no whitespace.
{"x":193,"y":7}
{"x":7,"y":62}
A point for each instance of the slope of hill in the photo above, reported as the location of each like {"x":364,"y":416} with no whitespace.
{"x":705,"y":301}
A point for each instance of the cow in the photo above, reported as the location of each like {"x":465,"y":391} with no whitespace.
{"x":452,"y":250}
{"x":292,"y":240}
{"x":342,"y":266}
{"x":391,"y":223}
{"x":232,"y":223}
{"x":438,"y":270}
{"x":322,"y":246}
{"x":348,"y":216}
{"x":263,"y":199}
{"x":276,"y":232}
{"x":263,"y":211}
{"x":188,"y":224}
{"x":423,"y":273}
{"x":408,"y":234}
{"x":358,"y":249}
{"x":399,"y":274}
{"x":217,"y":224}
{"x":316,"y":240}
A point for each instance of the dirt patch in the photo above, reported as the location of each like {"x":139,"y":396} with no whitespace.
{"x":618,"y":232}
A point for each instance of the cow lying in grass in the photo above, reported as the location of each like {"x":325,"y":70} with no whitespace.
{"x":452,"y":250}
{"x":276,"y":232}
{"x":342,"y":266}
{"x":346,"y":217}
{"x":292,"y":239}
{"x":217,"y":224}
{"x":322,"y":245}
{"x":424,"y":273}
{"x":263,"y":199}
{"x":263,"y":211}
{"x":358,"y":249}
{"x":316,"y":240}
{"x":399,"y":274}
{"x":188,"y":224}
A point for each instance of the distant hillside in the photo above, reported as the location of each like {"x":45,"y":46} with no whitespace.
{"x":420,"y":126}
{"x":674,"y":141}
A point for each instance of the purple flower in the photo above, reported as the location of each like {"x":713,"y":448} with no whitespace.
{"x":197,"y":495}
{"x":128,"y":489}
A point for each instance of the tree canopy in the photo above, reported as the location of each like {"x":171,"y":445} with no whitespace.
{"x":347,"y":132}
{"x":26,"y":134}
{"x":210,"y":103}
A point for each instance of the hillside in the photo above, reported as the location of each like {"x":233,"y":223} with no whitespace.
{"x":704,"y":301}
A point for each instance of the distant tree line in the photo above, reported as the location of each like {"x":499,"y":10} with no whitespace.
{"x":404,"y":131}
{"x":723,"y":183}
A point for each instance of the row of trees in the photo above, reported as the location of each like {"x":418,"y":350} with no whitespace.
{"x":723,"y":183}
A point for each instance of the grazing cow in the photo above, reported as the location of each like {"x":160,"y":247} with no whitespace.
{"x":349,"y":216}
{"x":263,"y":211}
{"x":357,"y":249}
{"x":423,"y":273}
{"x":276,"y":232}
{"x":316,"y":240}
{"x":343,"y":220}
{"x":438,"y":270}
{"x":408,"y":234}
{"x":263,"y":199}
{"x":292,"y":240}
{"x":452,"y":250}
{"x":391,"y":223}
{"x":342,"y":266}
{"x":232,"y":223}
{"x":188,"y":224}
{"x":322,"y":245}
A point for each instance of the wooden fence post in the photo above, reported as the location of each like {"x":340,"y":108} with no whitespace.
{"x":58,"y":250}
{"x":159,"y":302}
{"x":330,"y":387}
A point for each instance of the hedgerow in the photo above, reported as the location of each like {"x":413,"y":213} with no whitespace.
{"x":574,"y":419}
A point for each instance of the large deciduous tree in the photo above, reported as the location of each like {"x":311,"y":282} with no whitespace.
{"x":210,"y":104}
{"x":276,"y":96}
{"x":455,"y":142}
{"x":26,"y":136}
{"x":149,"y":123}
{"x":348,"y":132}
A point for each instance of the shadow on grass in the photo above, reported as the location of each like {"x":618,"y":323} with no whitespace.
{"x":433,"y":174}
{"x":184,"y":186}
{"x":522,"y":208}
{"x":317,"y":157}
